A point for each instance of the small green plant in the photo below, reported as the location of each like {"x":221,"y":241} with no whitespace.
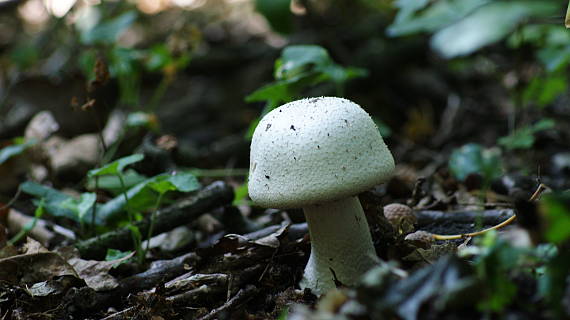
{"x":80,"y":207}
{"x":115,"y":168}
{"x":523,"y":138}
{"x":301,"y":67}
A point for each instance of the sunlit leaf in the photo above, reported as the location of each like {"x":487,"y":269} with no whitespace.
{"x":486,"y":25}
{"x":439,"y":15}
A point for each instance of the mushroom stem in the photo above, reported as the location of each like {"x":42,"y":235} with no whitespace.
{"x":340,"y":243}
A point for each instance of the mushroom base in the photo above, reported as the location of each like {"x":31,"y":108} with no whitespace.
{"x":341,"y":245}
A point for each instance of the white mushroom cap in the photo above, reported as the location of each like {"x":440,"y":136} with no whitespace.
{"x":316,"y":150}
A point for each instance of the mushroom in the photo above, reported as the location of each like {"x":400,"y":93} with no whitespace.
{"x":319,"y":154}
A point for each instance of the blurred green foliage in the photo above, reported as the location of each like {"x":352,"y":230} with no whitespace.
{"x":277,"y":13}
{"x":18,"y":146}
{"x":557,"y":209}
{"x":473,"y":158}
{"x":523,"y":138}
{"x":461,"y":27}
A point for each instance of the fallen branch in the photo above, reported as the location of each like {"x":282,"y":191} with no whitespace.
{"x":159,"y":272}
{"x":486,"y":217}
{"x":183,"y":211}
{"x":541,"y":188}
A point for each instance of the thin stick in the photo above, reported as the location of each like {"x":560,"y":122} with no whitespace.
{"x":534,"y":197}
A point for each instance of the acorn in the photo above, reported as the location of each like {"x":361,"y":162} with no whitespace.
{"x":400,"y":216}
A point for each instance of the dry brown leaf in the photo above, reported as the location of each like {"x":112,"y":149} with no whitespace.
{"x":94,"y":273}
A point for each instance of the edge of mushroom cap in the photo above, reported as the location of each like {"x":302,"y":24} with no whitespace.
{"x":316,"y":150}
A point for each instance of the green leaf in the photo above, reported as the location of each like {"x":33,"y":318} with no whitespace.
{"x":472,"y":158}
{"x":144,"y":195}
{"x":523,"y":138}
{"x":112,"y":183}
{"x":108,"y":32}
{"x":19,"y":146}
{"x":439,"y":15}
{"x":488,"y":24}
{"x":82,"y":206}
{"x":277,"y":13}
{"x":53,"y":199}
{"x":299,"y":67}
{"x":240,"y":193}
{"x":556,"y":207}
{"x":407,"y":8}
{"x":276,"y":92}
{"x":124,"y":64}
{"x":544,"y":90}
{"x":25,"y":56}
{"x":296,"y":59}
{"x":183,"y":182}
{"x":116,"y":167}
{"x":114,"y":254}
{"x":158,"y":57}
{"x":492,"y":265}
{"x":552,"y":285}
{"x":554,"y":58}
{"x":284,"y":314}
{"x":87,"y":60}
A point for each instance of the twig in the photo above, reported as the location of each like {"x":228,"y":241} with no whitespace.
{"x":119,"y":315}
{"x":535,"y":195}
{"x":240,"y":298}
{"x":487,"y":217}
